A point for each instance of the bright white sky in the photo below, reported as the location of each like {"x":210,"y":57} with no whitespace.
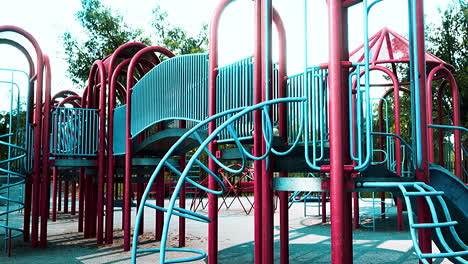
{"x":47,"y":20}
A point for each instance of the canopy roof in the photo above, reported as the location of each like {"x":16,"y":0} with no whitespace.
{"x":387,"y":46}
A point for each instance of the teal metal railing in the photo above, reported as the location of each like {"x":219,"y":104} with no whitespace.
{"x":175,"y":89}
{"x":234,"y":85}
{"x":307,"y":122}
{"x":119,"y":130}
{"x":12,"y":156}
{"x":12,"y":179}
{"x":74,"y":131}
{"x":360,"y":118}
{"x":448,"y":160}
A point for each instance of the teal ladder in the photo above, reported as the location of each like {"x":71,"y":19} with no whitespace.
{"x":420,"y":189}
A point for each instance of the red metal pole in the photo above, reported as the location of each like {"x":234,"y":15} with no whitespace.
{"x":257,"y":135}
{"x":422,"y":173}
{"x":140,"y":189}
{"x":356,"y":210}
{"x":348,"y":221}
{"x":46,"y":154}
{"x":93,"y":222}
{"x":212,"y":147}
{"x":54,"y":194}
{"x":88,"y":209}
{"x":65,"y":196}
{"x":267,"y":174}
{"x":110,"y":151}
{"x":101,"y":158}
{"x":337,"y":151}
{"x":81,"y":189}
{"x":160,"y":194}
{"x":128,"y":137}
{"x":182,"y":198}
{"x":456,"y":117}
{"x":59,"y":200}
{"x":73,"y":198}
{"x":282,"y":129}
{"x":37,"y":125}
{"x":27,"y":208}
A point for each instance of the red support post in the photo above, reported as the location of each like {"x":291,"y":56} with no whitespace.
{"x":27,"y":208}
{"x":348,"y":226}
{"x":81,"y":189}
{"x":212,"y":147}
{"x":160,"y":194}
{"x":65,"y":196}
{"x":422,"y":173}
{"x":54,"y":194}
{"x":257,"y":135}
{"x":45,"y":185}
{"x":266,"y":173}
{"x":282,"y":129}
{"x":356,"y":210}
{"x":110,"y":194}
{"x":101,"y":155}
{"x":140,"y":189}
{"x":339,"y":239}
{"x":182,"y":198}
{"x":59,"y":199}
{"x":73,"y":198}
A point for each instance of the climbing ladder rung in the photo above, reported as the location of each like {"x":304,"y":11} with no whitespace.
{"x":423,"y":193}
{"x":445,"y":255}
{"x":434,"y":225}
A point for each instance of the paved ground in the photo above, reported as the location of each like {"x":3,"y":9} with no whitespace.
{"x":309,"y":241}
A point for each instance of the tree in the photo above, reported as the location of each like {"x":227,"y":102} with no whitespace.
{"x":449,"y":41}
{"x":106,"y":31}
{"x":176,"y":38}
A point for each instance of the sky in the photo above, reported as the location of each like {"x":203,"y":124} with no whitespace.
{"x":47,"y":20}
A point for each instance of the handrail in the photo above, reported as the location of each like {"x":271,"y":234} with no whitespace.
{"x":464,"y":129}
{"x":394,"y":135}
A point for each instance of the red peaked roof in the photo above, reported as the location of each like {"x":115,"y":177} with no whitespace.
{"x":387,"y":46}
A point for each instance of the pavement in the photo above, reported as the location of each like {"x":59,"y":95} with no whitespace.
{"x":309,"y":240}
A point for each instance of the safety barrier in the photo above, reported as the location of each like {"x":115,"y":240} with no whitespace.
{"x":74,"y":132}
{"x":175,"y":89}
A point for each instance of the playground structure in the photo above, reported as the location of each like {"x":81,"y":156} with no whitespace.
{"x":140,"y":117}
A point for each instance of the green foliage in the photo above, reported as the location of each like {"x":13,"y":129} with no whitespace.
{"x":449,"y":41}
{"x":106,"y":31}
{"x":176,"y":38}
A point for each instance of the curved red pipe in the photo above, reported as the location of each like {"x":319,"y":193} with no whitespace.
{"x":74,"y":100}
{"x":46,"y":154}
{"x":37,"y":138}
{"x":456,"y":115}
{"x":110,"y":150}
{"x":128,"y":136}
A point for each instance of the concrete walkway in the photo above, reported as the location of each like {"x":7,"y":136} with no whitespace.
{"x":309,"y":241}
